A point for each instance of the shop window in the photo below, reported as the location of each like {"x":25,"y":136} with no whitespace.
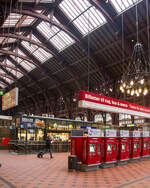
{"x":109,"y":147}
{"x":92,"y":148}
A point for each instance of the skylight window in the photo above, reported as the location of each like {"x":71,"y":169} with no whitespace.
{"x":120,"y":5}
{"x":61,"y":40}
{"x":15,"y":73}
{"x":2,"y":85}
{"x":57,"y":37}
{"x":27,"y":66}
{"x":39,"y":53}
{"x":83,"y":15}
{"x":11,"y":20}
{"x":47,"y":30}
{"x":29,"y":20}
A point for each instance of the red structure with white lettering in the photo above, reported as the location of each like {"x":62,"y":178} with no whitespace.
{"x":135,"y":149}
{"x":145,"y":144}
{"x":123,"y":146}
{"x":109,"y":147}
{"x":99,"y":102}
{"x":77,"y":147}
{"x":92,"y":151}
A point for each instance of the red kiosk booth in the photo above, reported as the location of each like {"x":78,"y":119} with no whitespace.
{"x":123,"y":146}
{"x":135,"y":145}
{"x":109,"y":148}
{"x":87,"y":150}
{"x":145,"y":144}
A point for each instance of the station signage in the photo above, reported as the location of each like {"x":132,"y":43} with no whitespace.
{"x":10,"y":99}
{"x":100,"y":102}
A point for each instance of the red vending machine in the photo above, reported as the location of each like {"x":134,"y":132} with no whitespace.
{"x":149,"y":145}
{"x":135,"y":145}
{"x":77,"y":147}
{"x":109,"y":148}
{"x":145,"y":144}
{"x":91,"y":151}
{"x":123,"y":146}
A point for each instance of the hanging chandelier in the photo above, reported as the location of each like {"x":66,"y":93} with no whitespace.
{"x":135,"y":78}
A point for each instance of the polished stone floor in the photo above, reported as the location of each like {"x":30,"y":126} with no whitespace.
{"x":28,"y":171}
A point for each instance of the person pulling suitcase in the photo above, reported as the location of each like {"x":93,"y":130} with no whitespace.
{"x":48,"y":148}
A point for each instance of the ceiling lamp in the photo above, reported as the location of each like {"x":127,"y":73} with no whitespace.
{"x":135,"y":78}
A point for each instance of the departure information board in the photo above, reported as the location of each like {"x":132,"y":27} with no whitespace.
{"x":10,"y":99}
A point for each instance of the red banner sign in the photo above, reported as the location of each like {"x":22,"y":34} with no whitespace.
{"x":99,"y":102}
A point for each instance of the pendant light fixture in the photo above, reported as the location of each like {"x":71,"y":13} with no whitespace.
{"x":134,"y":81}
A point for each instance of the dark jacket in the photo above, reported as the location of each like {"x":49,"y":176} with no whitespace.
{"x":48,"y":143}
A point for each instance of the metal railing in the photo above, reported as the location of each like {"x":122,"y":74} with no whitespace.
{"x":36,"y":146}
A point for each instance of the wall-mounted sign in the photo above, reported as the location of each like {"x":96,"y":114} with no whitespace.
{"x":99,"y":102}
{"x":6,"y":117}
{"x":10,"y":99}
{"x":27,"y":120}
{"x":94,"y":132}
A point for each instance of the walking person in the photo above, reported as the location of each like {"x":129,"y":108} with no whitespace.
{"x":49,"y":145}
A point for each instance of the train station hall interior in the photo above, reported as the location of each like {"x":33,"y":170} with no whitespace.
{"x":74,"y":93}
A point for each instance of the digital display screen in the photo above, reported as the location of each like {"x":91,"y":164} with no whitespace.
{"x":92,"y":148}
{"x":10,"y":99}
{"x":109,"y":147}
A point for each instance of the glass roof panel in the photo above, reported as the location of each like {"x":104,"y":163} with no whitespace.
{"x":2,"y":85}
{"x":11,"y":20}
{"x":121,"y":5}
{"x":39,"y":53}
{"x":74,"y":8}
{"x":47,"y":30}
{"x":42,"y":55}
{"x":29,"y":20}
{"x":27,"y":66}
{"x":9,"y":80}
{"x":61,"y":40}
{"x":83,"y":15}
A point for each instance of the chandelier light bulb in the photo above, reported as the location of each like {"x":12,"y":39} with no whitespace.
{"x":124,"y":84}
{"x":138,"y":94}
{"x":132,"y":92}
{"x":121,"y":87}
{"x":131,"y":82}
{"x":142,"y":81}
{"x":145,"y":91}
{"x":128,"y":91}
{"x":122,"y":90}
{"x":136,"y":91}
{"x":140,"y":90}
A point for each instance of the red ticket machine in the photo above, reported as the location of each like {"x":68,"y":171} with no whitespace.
{"x":149,"y":145}
{"x":77,"y":147}
{"x":135,"y":149}
{"x":92,"y":151}
{"x":123,"y":146}
{"x":145,"y":144}
{"x":109,"y":148}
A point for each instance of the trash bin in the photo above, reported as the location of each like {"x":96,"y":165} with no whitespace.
{"x":72,"y":162}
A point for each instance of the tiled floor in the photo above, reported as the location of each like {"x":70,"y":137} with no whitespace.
{"x":28,"y":171}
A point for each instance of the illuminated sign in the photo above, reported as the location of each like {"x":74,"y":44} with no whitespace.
{"x":10,"y":99}
{"x":100,"y":102}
